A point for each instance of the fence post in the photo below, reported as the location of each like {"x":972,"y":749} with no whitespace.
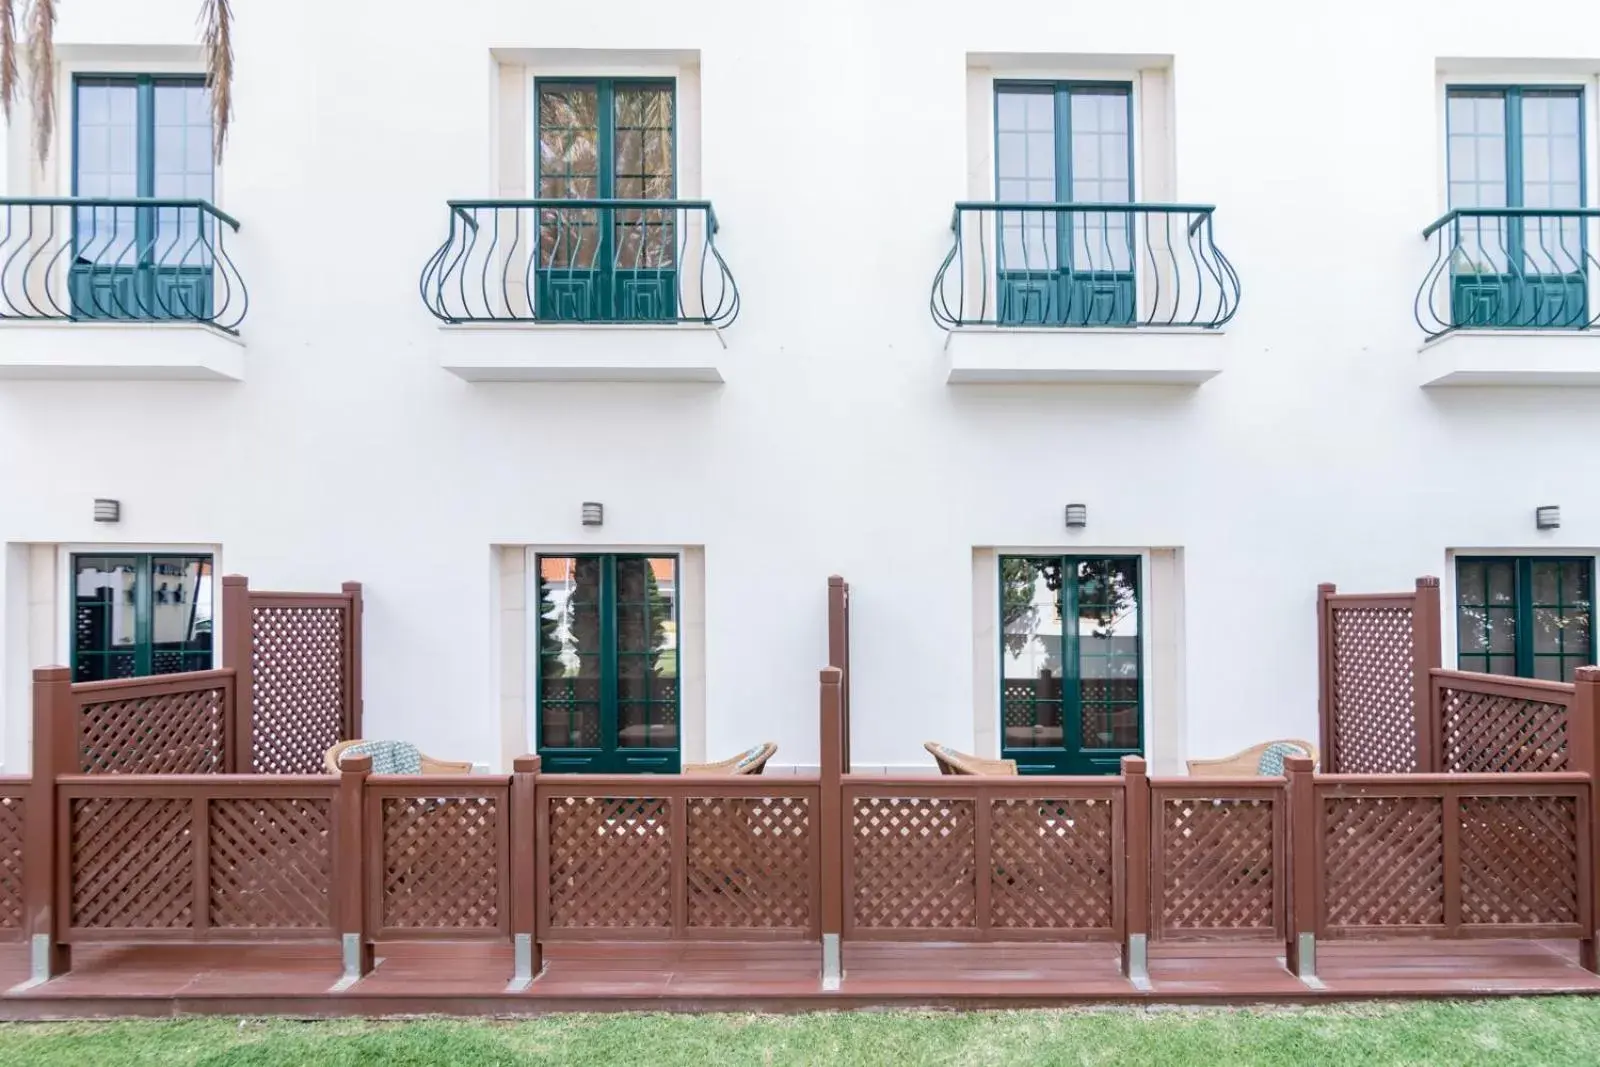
{"x":355,"y":702}
{"x":1426,"y":648}
{"x":350,"y":870}
{"x":524,"y":891}
{"x":1136,"y":842}
{"x":1302,"y":846}
{"x":237,"y":640}
{"x":1326,"y":734}
{"x":831,"y":821}
{"x":839,"y":656}
{"x":1583,"y":754}
{"x":54,"y":752}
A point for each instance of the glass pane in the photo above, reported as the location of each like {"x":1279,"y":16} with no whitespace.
{"x":1472,"y":634}
{"x":182,"y":170}
{"x":1470,"y":583}
{"x":180,"y":614}
{"x":647,"y":652}
{"x":1476,"y":161}
{"x":569,"y":651}
{"x":643,"y":134}
{"x":105,"y":621}
{"x":1502,"y":627}
{"x":1108,"y":652}
{"x":569,"y":168}
{"x":1551,"y":177}
{"x":1025,"y":143}
{"x":1502,"y":575}
{"x":105,"y":164}
{"x":1031,"y":650}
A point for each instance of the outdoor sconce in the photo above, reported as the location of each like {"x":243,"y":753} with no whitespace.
{"x":1547,"y":517}
{"x":593,"y":514}
{"x":1077,"y":516}
{"x":107,"y":510}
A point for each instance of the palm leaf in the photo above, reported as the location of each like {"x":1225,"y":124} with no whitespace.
{"x":216,"y":20}
{"x":8,"y":56}
{"x":41,"y":52}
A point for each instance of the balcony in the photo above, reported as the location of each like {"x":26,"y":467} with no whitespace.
{"x":1506,"y":299}
{"x":133,"y":289}
{"x":581,"y":290}
{"x":1084,"y":293}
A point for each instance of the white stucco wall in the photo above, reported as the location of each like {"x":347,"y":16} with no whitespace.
{"x":833,"y":142}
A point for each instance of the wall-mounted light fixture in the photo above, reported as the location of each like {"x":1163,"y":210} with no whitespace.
{"x":593,"y":514}
{"x":1547,"y":517}
{"x":107,"y":510}
{"x":1077,"y":516}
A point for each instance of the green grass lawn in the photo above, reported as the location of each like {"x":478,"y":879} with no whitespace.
{"x":1500,"y":1032}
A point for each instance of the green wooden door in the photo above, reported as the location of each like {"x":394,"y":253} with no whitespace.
{"x":613,"y":140}
{"x":1071,"y":653}
{"x":1064,"y":143}
{"x":1517,"y":147}
{"x":608,"y":692}
{"x":1531,"y":616}
{"x":140,"y":614}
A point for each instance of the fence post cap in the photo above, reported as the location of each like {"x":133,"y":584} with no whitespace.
{"x":350,"y":587}
{"x":1590,"y":675}
{"x":835,"y":579}
{"x":1133,"y":765}
{"x":830,"y":675}
{"x":527,"y":764}
{"x":235,"y":579}
{"x":1427,"y":581}
{"x":1298,"y":764}
{"x":52,"y":674}
{"x":356,"y":764}
{"x":1327,"y":587}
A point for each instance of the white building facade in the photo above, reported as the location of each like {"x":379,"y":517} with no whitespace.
{"x":1228,"y":362}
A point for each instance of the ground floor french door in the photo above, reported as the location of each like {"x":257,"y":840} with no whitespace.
{"x":1071,"y":653}
{"x":607,"y":676}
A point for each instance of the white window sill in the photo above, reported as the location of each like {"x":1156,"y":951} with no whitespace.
{"x":582,"y":352}
{"x":1511,"y":358}
{"x":1019,"y":355}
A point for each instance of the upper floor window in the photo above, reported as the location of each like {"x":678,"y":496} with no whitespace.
{"x":608,"y":139}
{"x":1065,"y":143}
{"x":140,"y":614}
{"x":141,"y":136}
{"x":1525,"y":616}
{"x":1517,"y":147}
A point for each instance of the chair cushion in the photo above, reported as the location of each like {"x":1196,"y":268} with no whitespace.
{"x":388,"y":757}
{"x":1272,"y":757}
{"x":749,"y":757}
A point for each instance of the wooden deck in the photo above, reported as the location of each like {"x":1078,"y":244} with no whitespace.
{"x":471,"y":978}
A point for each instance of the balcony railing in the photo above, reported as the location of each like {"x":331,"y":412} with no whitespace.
{"x":138,"y":259}
{"x":1507,"y":268}
{"x":1084,"y":265}
{"x":581,"y":261}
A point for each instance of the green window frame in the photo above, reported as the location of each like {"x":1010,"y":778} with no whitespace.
{"x":606,"y":264}
{"x":141,"y":263}
{"x":1084,"y":710}
{"x":1527,"y":616}
{"x":1503,"y":149}
{"x":608,"y":673}
{"x":139,"y":614}
{"x":1065,"y":142}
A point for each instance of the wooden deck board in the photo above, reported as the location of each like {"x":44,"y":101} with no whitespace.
{"x":472,"y":978}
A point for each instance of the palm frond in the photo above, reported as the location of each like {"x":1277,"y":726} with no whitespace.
{"x":8,"y":56}
{"x":41,"y":51}
{"x":216,"y":21}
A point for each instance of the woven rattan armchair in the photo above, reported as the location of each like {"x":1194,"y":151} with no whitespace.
{"x":1252,"y":760}
{"x":952,"y":762}
{"x":752,"y":761}
{"x":402,"y":751}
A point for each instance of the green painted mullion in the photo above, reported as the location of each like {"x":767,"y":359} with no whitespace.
{"x":1063,"y":113}
{"x":1071,"y":680}
{"x":1522,"y":597}
{"x":144,"y":227}
{"x":143,"y":617}
{"x":608,"y":662}
{"x":606,"y":163}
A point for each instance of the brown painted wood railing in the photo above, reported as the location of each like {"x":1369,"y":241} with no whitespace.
{"x":532,"y":859}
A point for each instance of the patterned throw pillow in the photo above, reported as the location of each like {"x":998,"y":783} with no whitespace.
{"x":1272,"y":757}
{"x":388,"y":757}
{"x":749,"y":757}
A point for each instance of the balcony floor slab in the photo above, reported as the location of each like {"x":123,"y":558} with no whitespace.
{"x":579,"y":352}
{"x":1511,"y":358}
{"x":119,"y":351}
{"x":1084,"y":356}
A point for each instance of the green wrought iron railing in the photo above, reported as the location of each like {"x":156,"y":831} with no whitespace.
{"x":1080,"y":265}
{"x":581,"y":261}
{"x":1509,"y":268}
{"x":137,"y":259}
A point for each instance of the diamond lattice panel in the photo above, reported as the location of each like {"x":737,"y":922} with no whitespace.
{"x":11,"y":813}
{"x":442,"y":863}
{"x":1374,"y":694}
{"x":1491,"y":734}
{"x":1051,"y":864}
{"x":271,"y":864}
{"x":176,"y":733}
{"x":914,"y":863}
{"x":1384,"y":861}
{"x":1217,"y":867}
{"x":610,"y":862}
{"x":298,"y":689}
{"x":749,"y":863}
{"x":132,"y":863}
{"x":1519,"y":860}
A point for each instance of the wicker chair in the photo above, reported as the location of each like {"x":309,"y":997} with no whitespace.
{"x":753,"y":761}
{"x":401,"y":751}
{"x":952,"y":762}
{"x":1257,"y":759}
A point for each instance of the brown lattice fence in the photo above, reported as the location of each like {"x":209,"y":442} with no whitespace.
{"x":1219,"y":849}
{"x":668,"y":857}
{"x":1488,"y":723}
{"x":163,"y":724}
{"x":983,"y":858}
{"x":13,"y":849}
